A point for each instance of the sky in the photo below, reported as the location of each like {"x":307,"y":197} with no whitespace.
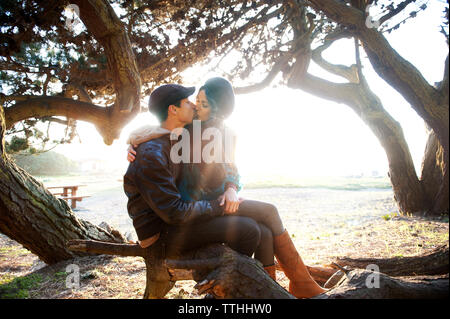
{"x":286,"y":133}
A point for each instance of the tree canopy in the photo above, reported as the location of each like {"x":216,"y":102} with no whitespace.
{"x":94,"y":61}
{"x":120,"y":50}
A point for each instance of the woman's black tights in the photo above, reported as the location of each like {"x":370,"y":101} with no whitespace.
{"x":250,"y":230}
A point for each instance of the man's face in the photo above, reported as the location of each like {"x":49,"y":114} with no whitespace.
{"x":185,"y":113}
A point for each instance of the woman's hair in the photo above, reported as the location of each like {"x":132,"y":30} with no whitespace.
{"x":220,"y":95}
{"x":211,"y":102}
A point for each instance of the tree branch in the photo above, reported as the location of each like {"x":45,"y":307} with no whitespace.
{"x":398,"y":72}
{"x":55,"y":120}
{"x":205,"y":43}
{"x":444,"y":84}
{"x":358,"y":60}
{"x":336,"y":92}
{"x":100,"y":19}
{"x":98,"y":247}
{"x":56,"y":106}
{"x":339,"y":12}
{"x":348,"y":73}
{"x":396,"y":11}
{"x":298,"y":48}
{"x":72,"y":89}
{"x":277,"y":67}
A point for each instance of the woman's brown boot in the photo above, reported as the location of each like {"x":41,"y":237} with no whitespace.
{"x":301,"y":284}
{"x":271,"y":270}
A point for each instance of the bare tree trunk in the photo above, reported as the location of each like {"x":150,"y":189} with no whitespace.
{"x":408,"y":191}
{"x":435,"y":176}
{"x":431,"y":102}
{"x":33,"y":217}
{"x":356,"y":94}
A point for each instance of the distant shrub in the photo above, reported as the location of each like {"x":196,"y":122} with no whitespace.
{"x":48,"y":163}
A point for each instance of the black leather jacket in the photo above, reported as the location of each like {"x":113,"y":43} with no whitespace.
{"x":153,"y":198}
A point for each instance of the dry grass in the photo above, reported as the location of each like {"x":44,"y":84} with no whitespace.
{"x":124,"y":277}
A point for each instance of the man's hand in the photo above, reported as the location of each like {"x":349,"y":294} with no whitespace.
{"x":131,"y":156}
{"x":231,"y":201}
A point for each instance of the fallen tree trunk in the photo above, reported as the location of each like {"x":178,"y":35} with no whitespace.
{"x":227,"y":274}
{"x":364,"y":284}
{"x":32,"y":216}
{"x":218,"y":270}
{"x":435,"y":262}
{"x":42,"y":223}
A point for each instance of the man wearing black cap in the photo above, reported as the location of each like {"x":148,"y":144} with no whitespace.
{"x":154,"y":202}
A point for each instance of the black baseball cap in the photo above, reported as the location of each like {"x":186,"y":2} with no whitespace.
{"x":166,"y":95}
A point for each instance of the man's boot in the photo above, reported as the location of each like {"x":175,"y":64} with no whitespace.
{"x":271,"y":270}
{"x":301,"y":284}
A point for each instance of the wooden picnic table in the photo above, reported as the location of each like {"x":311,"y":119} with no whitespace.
{"x":69,"y":192}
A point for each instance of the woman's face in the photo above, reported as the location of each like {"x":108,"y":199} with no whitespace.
{"x":203,"y":108}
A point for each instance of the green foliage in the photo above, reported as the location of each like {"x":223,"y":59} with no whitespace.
{"x":18,"y":288}
{"x":60,"y":277}
{"x":16,"y":144}
{"x":28,"y":136}
{"x":61,"y":274}
{"x":388,"y":217}
{"x":49,"y":163}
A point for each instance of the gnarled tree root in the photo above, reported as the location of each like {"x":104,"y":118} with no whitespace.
{"x":224,"y":273}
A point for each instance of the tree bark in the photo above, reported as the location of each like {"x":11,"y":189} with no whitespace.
{"x":217,"y":269}
{"x":431,"y":102}
{"x":125,"y":72}
{"x":363,"y":284}
{"x":100,"y":19}
{"x":320,"y":274}
{"x":435,"y":262}
{"x":35,"y":218}
{"x":29,"y":214}
{"x":408,"y":191}
{"x":434,"y":176}
{"x":227,"y":274}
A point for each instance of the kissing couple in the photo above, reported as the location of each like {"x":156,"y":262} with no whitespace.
{"x":192,"y":204}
